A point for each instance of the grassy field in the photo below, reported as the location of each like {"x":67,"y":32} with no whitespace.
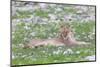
{"x":51,"y":54}
{"x":45,"y":55}
{"x":42,"y":21}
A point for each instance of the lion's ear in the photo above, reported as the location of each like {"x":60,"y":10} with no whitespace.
{"x":65,"y":25}
{"x":62,"y":25}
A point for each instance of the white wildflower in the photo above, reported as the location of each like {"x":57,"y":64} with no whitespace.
{"x":33,"y":33}
{"x":65,"y":52}
{"x":21,"y":45}
{"x":16,"y":20}
{"x":13,"y":36}
{"x":25,"y":38}
{"x":90,"y":57}
{"x":59,"y":48}
{"x":70,"y":51}
{"x":43,"y":51}
{"x":58,"y":9}
{"x":26,"y":27}
{"x":49,"y":37}
{"x":78,"y":52}
{"x":52,"y":16}
{"x":45,"y":19}
{"x":56,"y":52}
{"x":49,"y":54}
{"x":79,"y":11}
{"x":24,"y":56}
{"x":13,"y":56}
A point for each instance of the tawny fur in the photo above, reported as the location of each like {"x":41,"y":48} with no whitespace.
{"x":66,"y":38}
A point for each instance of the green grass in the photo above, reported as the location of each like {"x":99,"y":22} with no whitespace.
{"x":23,"y":32}
{"x":22,"y":14}
{"x":51,"y":54}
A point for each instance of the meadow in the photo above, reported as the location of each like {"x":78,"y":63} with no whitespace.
{"x":42,"y":21}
